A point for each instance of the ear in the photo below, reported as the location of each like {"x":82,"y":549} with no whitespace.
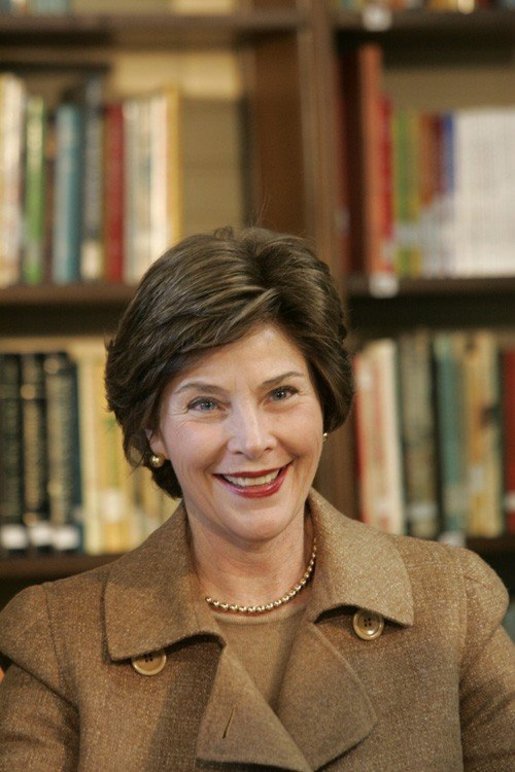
{"x":155,"y":442}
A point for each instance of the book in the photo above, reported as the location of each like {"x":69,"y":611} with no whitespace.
{"x":32,"y":263}
{"x":35,"y":459}
{"x":166,"y":171}
{"x":13,"y":536}
{"x":49,"y":6}
{"x":482,"y":435}
{"x":89,"y":355}
{"x":378,"y":436}
{"x":211,"y":167}
{"x":114,"y":185}
{"x":63,"y":450}
{"x":367,"y":139}
{"x":12,"y":102}
{"x":67,"y":210}
{"x":507,"y":366}
{"x":90,"y":100}
{"x":418,"y":435}
{"x":448,"y":355}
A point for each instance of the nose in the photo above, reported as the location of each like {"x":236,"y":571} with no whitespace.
{"x":251,"y":433}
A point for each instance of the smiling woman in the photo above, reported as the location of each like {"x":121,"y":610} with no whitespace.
{"x":258,"y":628}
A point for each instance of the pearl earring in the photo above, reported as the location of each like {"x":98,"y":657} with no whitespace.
{"x":156,"y":460}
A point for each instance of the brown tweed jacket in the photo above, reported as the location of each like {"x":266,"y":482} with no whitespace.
{"x":435,"y":691}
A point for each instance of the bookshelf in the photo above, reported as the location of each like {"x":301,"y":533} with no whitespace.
{"x":283,"y":55}
{"x":434,"y":62}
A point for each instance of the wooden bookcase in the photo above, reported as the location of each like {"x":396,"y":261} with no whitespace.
{"x":286,"y":54}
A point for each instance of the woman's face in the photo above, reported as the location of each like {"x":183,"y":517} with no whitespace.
{"x":243,"y":428}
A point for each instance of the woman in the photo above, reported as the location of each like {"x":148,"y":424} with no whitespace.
{"x":257,"y":628}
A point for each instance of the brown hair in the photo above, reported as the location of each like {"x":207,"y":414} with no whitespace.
{"x":210,"y":290}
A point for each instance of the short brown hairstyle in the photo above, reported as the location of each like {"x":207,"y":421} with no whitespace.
{"x":210,"y":290}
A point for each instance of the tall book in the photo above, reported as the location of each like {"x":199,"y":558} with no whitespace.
{"x":367,"y":141}
{"x":32,"y":266}
{"x":508,"y":413}
{"x":63,"y":446}
{"x":13,"y":535}
{"x":483,"y":435}
{"x":67,"y":230}
{"x":12,"y":103}
{"x":114,"y":184}
{"x":378,"y":436}
{"x":209,"y":173}
{"x":92,"y":243}
{"x":87,"y":354}
{"x":418,"y":435}
{"x":35,"y":459}
{"x":448,"y":353}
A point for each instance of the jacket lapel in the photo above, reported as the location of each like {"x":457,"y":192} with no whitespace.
{"x":318,"y":676}
{"x":240,"y":727}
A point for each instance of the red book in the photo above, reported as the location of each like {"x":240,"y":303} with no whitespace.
{"x":367,"y":152}
{"x":508,"y":387}
{"x":114,"y":192}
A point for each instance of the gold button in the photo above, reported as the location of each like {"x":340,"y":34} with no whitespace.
{"x":367,"y":624}
{"x":149,"y":664}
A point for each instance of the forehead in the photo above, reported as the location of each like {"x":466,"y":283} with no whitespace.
{"x":266,"y":351}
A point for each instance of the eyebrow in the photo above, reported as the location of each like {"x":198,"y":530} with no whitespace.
{"x":209,"y":388}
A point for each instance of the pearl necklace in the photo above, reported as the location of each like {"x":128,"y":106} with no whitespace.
{"x":262,"y":608}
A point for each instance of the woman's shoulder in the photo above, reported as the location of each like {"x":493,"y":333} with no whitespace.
{"x":445,"y":572}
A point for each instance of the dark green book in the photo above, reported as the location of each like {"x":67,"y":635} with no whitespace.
{"x":13,"y":535}
{"x":63,"y":452}
{"x":35,"y":477}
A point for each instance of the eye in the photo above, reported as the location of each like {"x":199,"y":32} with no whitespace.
{"x":203,"y":405}
{"x":282,"y":393}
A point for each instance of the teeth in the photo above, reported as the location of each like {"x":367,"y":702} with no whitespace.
{"x":247,"y":482}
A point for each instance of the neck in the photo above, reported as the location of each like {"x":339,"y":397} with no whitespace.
{"x":255,"y":573}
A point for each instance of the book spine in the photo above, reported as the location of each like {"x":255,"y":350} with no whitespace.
{"x":448,"y":352}
{"x":92,"y":246}
{"x":13,"y":536}
{"x":34,"y":216}
{"x":12,"y":107}
{"x":35,"y":478}
{"x":380,"y":465}
{"x":418,"y":436}
{"x":508,"y":403}
{"x":362,"y":105}
{"x":63,"y":449}
{"x":114,"y":192}
{"x":482,"y":448}
{"x":68,"y":186}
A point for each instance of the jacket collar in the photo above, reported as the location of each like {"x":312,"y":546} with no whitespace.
{"x":152,"y":596}
{"x":153,"y":599}
{"x":357,"y":565}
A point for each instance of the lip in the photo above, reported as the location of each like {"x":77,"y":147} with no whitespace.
{"x":255,"y":491}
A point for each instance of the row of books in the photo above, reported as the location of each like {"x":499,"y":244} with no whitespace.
{"x":430,"y":193}
{"x":65,"y":484}
{"x":448,"y":191}
{"x":435,"y":434}
{"x":88,"y":190}
{"x":116,"y":6}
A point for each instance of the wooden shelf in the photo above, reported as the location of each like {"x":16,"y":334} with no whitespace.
{"x":363,"y":286}
{"x":90,"y":294}
{"x":437,"y":303}
{"x":48,"y":567}
{"x":152,"y":29}
{"x":484,"y":22}
{"x":47,"y":309}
